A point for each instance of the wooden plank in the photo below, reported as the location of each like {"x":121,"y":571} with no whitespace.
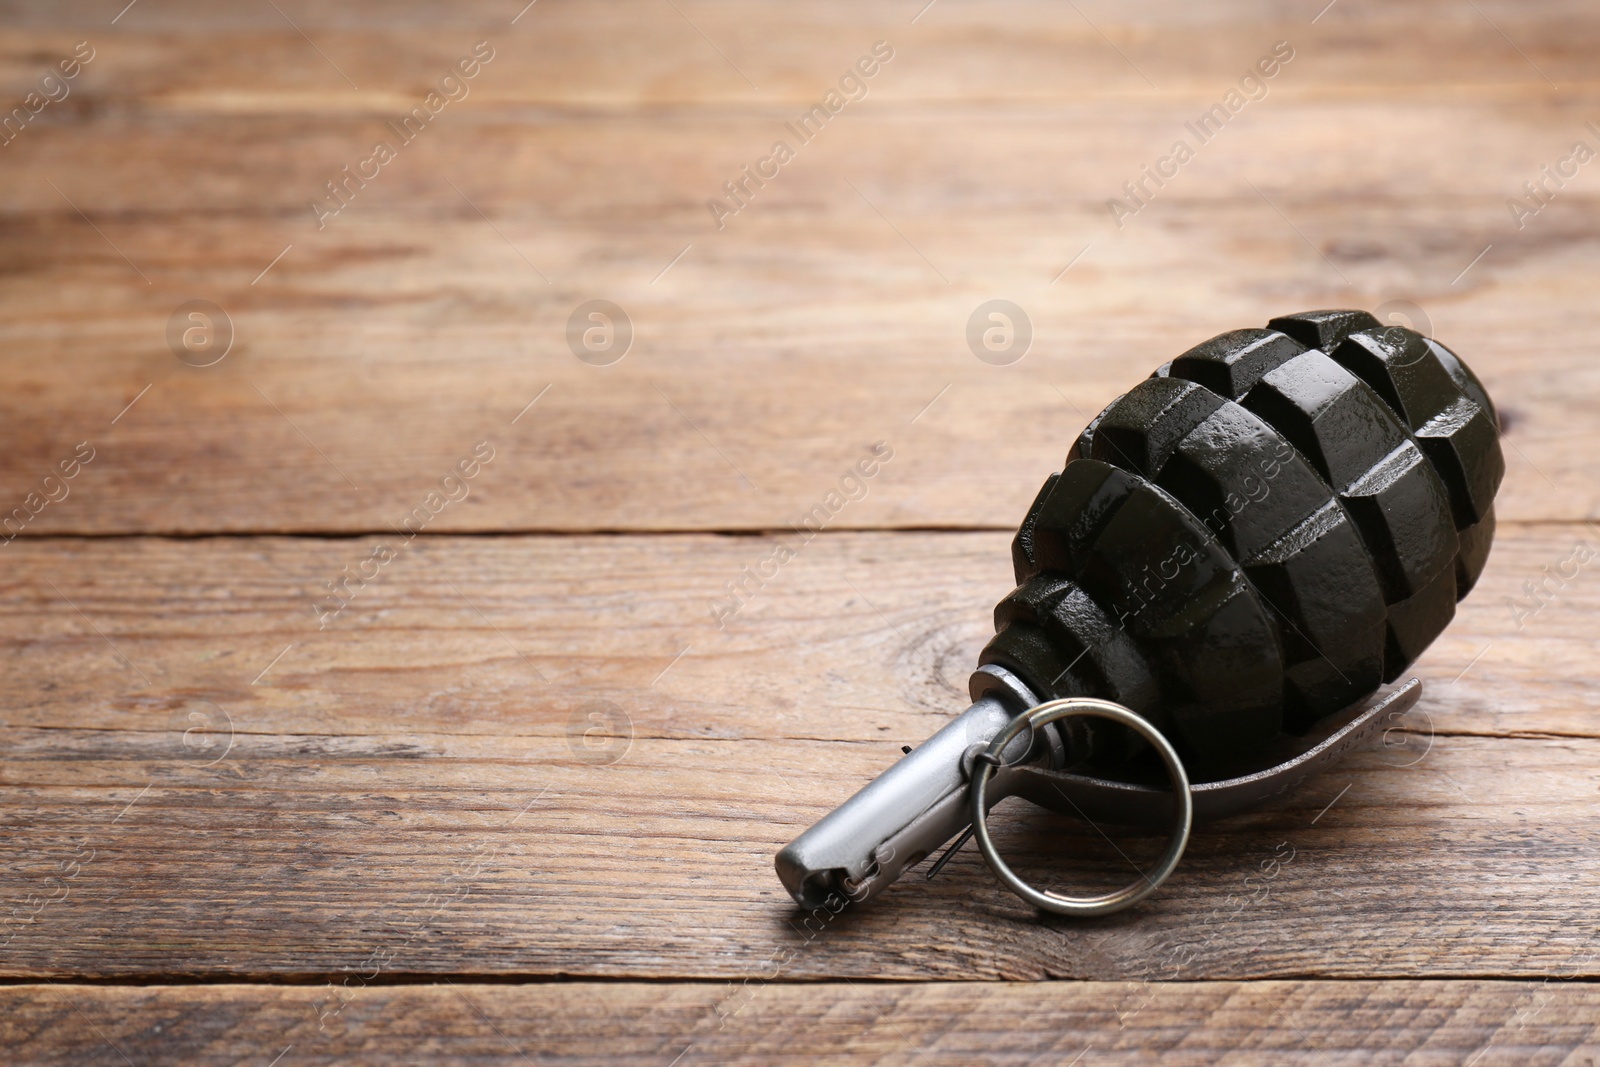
{"x":513,"y":856}
{"x":816,"y":322}
{"x":639,"y":53}
{"x":633,"y":54}
{"x":415,"y":781}
{"x":1285,"y":1022}
{"x":750,"y":406}
{"x":808,"y":655}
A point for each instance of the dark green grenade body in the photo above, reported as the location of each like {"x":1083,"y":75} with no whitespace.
{"x":1257,"y":536}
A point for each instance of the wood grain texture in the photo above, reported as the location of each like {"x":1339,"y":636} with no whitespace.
{"x":826,"y":316}
{"x":1489,"y":1024}
{"x":414,"y":784}
{"x":528,"y":754}
{"x":635,"y":54}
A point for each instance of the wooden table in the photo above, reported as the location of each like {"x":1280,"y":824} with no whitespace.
{"x":317,"y":750}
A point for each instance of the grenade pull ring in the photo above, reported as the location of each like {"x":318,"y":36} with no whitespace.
{"x":986,"y":762}
{"x":1008,"y":744}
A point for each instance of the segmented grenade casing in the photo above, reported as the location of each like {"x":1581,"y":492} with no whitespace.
{"x":1258,"y":535}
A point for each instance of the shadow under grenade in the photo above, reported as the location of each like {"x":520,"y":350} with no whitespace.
{"x":1239,"y":552}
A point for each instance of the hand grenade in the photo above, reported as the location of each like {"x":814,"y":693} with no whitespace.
{"x":1238,"y":553}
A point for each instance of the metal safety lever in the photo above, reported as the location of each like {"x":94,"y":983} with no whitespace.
{"x":1007,"y":744}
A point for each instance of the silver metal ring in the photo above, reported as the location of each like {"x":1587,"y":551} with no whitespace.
{"x":1074,"y":707}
